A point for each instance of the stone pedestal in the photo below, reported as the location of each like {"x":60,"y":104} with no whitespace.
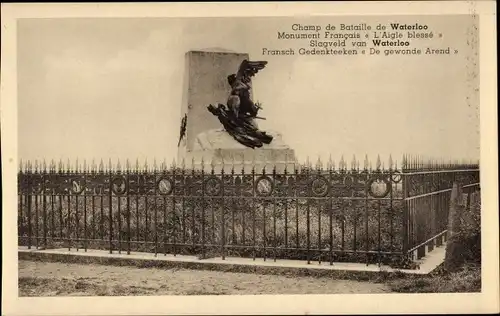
{"x":216,"y":147}
{"x":206,"y":83}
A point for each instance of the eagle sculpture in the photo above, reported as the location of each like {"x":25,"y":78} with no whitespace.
{"x":238,"y":118}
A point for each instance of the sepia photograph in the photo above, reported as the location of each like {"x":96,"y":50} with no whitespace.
{"x":208,"y":156}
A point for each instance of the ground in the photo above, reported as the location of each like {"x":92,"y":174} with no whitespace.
{"x":63,"y":279}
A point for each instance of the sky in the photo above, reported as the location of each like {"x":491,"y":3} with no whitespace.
{"x":112,"y":89}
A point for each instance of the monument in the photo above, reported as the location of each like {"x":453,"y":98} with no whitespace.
{"x":218,"y":117}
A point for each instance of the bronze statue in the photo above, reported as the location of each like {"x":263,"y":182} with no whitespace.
{"x":239,"y":117}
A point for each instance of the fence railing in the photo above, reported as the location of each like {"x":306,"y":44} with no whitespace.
{"x":381,"y":215}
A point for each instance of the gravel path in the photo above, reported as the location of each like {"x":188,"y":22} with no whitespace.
{"x":60,"y":279}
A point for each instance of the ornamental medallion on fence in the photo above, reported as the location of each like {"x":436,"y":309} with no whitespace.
{"x":320,"y":186}
{"x":264,"y":186}
{"x":379,"y":185}
{"x":165,"y":185}
{"x":213,"y":185}
{"x":119,"y":185}
{"x":77,"y":183}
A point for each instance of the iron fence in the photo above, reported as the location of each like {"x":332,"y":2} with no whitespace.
{"x":381,"y":215}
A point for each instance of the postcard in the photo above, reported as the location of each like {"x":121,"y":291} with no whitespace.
{"x":249,"y":158}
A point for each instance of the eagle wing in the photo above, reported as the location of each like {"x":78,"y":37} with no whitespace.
{"x":248,"y":69}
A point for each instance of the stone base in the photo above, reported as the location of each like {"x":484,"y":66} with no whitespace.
{"x":216,"y":147}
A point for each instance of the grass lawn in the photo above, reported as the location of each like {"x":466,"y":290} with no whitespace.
{"x":467,"y":279}
{"x":64,"y":279}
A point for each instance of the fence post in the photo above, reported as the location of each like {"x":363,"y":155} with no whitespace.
{"x":405,"y":212}
{"x":223,"y":220}
{"x":44,"y":208}
{"x":28,"y":202}
{"x":432,"y":209}
{"x":110,"y":218}
{"x":453,"y":251}
{"x":128,"y":209}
